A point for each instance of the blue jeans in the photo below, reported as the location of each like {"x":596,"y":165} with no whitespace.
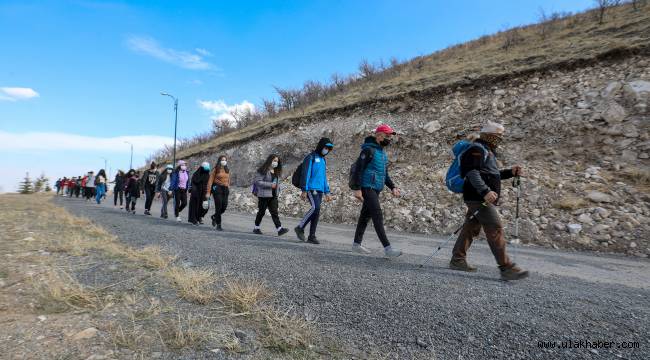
{"x":312,"y":215}
{"x":100,"y":190}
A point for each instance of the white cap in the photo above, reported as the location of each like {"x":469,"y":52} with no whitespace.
{"x":493,"y":128}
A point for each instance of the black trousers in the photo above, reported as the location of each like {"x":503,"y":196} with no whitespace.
{"x":89,"y":192}
{"x":149,"y":193}
{"x":196,"y":211}
{"x":371,"y":209}
{"x":131,"y":200}
{"x":271,"y":204}
{"x":220,"y":197}
{"x":116,"y":194}
{"x":313,"y":214}
{"x":180,"y":201}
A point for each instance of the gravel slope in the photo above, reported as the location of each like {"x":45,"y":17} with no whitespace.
{"x":398,"y":309}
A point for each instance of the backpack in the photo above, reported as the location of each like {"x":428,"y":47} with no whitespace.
{"x":453,"y":180}
{"x":353,"y":167}
{"x":296,"y":178}
{"x":254,"y":188}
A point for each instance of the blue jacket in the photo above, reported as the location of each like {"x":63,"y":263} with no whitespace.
{"x":372,"y":167}
{"x":314,"y":174}
{"x":173,"y":182}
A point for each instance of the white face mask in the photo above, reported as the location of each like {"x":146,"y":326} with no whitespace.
{"x":324,"y":152}
{"x":224,"y":162}
{"x":274,"y":164}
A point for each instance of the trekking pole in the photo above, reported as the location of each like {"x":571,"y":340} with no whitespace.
{"x":471,"y":216}
{"x":516,"y":182}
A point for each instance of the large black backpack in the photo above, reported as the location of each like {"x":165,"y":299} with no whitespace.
{"x":296,"y":178}
{"x":353,"y":169}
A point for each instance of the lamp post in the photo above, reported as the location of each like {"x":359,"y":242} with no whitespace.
{"x":130,"y":163}
{"x":105,"y":165}
{"x":175,"y":122}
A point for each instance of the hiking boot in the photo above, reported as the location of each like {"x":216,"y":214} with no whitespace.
{"x":300,"y":233}
{"x":219,"y":228}
{"x":146,"y":212}
{"x":214,"y":221}
{"x":312,"y":240}
{"x":200,"y":221}
{"x":392,"y":253}
{"x":178,"y":218}
{"x":257,"y":231}
{"x":461,"y":265}
{"x":513,"y":272}
{"x":360,"y":249}
{"x":283,"y":231}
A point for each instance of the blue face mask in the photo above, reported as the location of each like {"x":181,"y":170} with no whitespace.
{"x":206,"y":168}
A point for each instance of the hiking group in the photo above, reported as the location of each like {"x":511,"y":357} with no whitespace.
{"x":474,"y":173}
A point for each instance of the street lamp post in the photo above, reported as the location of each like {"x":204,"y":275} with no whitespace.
{"x":105,"y":165}
{"x":130,"y":163}
{"x":175,"y":123}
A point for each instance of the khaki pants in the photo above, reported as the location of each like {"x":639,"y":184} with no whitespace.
{"x":488,"y":218}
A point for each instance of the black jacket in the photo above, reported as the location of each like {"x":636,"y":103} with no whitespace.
{"x":132,"y":187}
{"x":199,"y":182}
{"x":478,"y":166}
{"x":119,"y":182}
{"x":149,"y":178}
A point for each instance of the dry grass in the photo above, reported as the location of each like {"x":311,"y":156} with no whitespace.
{"x":638,"y":177}
{"x":184,"y":332}
{"x":195,"y":285}
{"x":152,"y":257}
{"x":129,"y":337}
{"x":569,"y":203}
{"x":285,"y":332}
{"x":244,"y":296}
{"x":58,"y":291}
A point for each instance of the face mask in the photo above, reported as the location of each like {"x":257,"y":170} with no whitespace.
{"x":324,"y":152}
{"x":224,"y":162}
{"x":183,"y":167}
{"x":206,"y":167}
{"x":385,"y":142}
{"x":274,"y":164}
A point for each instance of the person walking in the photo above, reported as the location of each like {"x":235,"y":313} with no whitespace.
{"x":219,"y":187}
{"x":180,"y":183}
{"x":58,"y":186}
{"x":118,"y":189}
{"x":314,"y":185}
{"x":100,"y":185}
{"x":149,"y":178}
{"x":132,"y":190}
{"x":83,"y":186}
{"x":163,"y":187}
{"x":370,"y":175}
{"x":90,"y":185}
{"x":77,"y":187}
{"x":481,"y":192}
{"x":198,"y":194}
{"x":267,"y":188}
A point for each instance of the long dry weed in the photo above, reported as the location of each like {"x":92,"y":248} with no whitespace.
{"x":195,"y":285}
{"x":244,"y":295}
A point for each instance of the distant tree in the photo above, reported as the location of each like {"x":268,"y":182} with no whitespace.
{"x":603,"y":5}
{"x":270,"y":107}
{"x":366,"y":69}
{"x":25,"y":186}
{"x":41,"y":184}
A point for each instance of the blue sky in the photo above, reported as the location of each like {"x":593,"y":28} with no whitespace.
{"x":78,"y":78}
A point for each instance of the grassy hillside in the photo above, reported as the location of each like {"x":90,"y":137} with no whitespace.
{"x":562,"y":42}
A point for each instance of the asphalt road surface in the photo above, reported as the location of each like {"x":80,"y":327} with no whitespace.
{"x":397,"y":309}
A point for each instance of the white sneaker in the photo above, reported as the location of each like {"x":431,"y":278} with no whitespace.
{"x":178,"y":218}
{"x":360,"y":249}
{"x":392,"y":253}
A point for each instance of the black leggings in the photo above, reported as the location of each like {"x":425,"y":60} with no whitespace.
{"x":131,"y":200}
{"x":220,"y":196}
{"x":149,"y":193}
{"x":90,"y":192}
{"x":371,"y":209}
{"x":180,"y":201}
{"x":116,"y":194}
{"x":271,"y":204}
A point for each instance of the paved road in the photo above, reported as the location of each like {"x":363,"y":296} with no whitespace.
{"x":397,"y":308}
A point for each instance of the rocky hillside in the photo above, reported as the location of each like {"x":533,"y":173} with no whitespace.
{"x":580,"y":129}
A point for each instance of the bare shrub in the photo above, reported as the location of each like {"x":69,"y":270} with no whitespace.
{"x":511,"y":38}
{"x":603,"y":5}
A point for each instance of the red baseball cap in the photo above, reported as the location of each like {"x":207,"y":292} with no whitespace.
{"x":386,"y":129}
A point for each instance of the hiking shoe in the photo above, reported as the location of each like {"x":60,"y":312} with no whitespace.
{"x":214,"y":221}
{"x":360,"y":249}
{"x":300,"y":233}
{"x":513,"y":272}
{"x":283,"y":231}
{"x":219,"y":228}
{"x":312,"y":240}
{"x":392,"y":253}
{"x":257,"y":231}
{"x":201,"y":221}
{"x":461,"y":265}
{"x":178,"y":218}
{"x":146,"y":212}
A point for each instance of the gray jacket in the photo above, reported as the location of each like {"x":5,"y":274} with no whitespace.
{"x":264,"y":183}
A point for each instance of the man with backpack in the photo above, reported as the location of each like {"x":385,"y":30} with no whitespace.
{"x":149,"y":177}
{"x":311,"y":178}
{"x":481,"y":192}
{"x":368,"y":176}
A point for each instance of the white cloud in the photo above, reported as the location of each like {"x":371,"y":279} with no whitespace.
{"x":203,"y":52}
{"x":196,"y":82}
{"x":222,"y":111}
{"x":63,"y":141}
{"x":17,"y":93}
{"x":185,"y":59}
